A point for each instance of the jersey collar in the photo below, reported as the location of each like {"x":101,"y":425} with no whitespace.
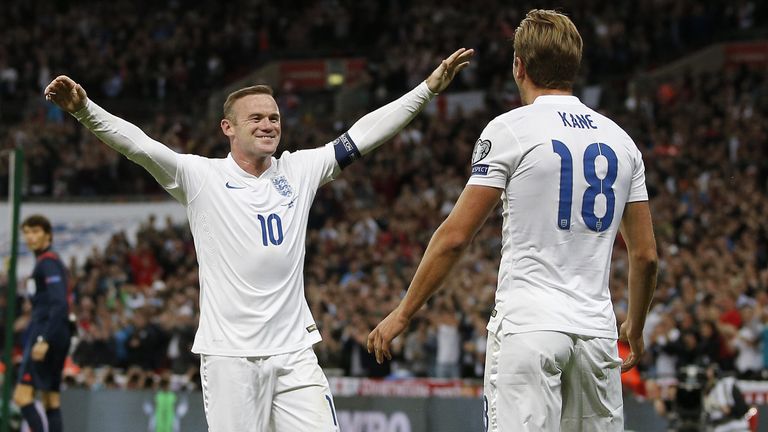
{"x":42,"y":252}
{"x":243,"y":173}
{"x":556,"y":99}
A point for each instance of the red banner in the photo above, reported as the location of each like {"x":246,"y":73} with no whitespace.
{"x":746,"y":53}
{"x":316,"y":74}
{"x":304,"y":74}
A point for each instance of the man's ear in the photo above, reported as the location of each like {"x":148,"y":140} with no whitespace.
{"x":519,"y":69}
{"x":226,"y":127}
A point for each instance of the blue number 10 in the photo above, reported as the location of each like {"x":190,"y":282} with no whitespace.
{"x":596,"y":187}
{"x":271,"y":229}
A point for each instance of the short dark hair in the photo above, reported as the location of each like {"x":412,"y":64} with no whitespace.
{"x":38,"y":220}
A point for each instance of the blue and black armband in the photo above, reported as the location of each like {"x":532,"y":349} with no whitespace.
{"x":346,"y":150}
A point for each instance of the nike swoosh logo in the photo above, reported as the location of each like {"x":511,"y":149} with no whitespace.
{"x":229,"y":186}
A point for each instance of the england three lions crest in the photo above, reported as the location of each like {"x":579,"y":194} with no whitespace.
{"x":282,"y":186}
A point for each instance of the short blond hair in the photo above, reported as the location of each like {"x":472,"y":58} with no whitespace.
{"x":549,"y":45}
{"x":243,"y":92}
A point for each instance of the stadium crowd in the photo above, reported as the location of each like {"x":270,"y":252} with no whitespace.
{"x":703,"y":138}
{"x":170,"y":55}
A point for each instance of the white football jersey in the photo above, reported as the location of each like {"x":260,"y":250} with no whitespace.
{"x":250,"y":237}
{"x":250,"y":231}
{"x":567,"y":173}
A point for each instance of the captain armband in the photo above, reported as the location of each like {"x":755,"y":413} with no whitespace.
{"x":346,"y":150}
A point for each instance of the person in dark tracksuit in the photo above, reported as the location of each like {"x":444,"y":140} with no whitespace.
{"x":48,"y":334}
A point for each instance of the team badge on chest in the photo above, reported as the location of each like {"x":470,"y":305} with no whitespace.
{"x":282,"y":186}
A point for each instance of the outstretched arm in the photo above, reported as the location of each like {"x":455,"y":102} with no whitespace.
{"x":117,"y":133}
{"x":377,"y":127}
{"x":445,"y":248}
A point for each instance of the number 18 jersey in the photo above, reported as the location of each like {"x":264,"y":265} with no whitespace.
{"x":566,"y":173}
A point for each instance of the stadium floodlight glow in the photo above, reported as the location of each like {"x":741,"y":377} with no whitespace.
{"x":335,"y":79}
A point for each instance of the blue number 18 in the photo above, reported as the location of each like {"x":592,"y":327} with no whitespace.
{"x":596,"y":187}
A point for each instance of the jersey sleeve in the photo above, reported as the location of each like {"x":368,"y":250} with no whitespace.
{"x":191,"y":176}
{"x":496,"y":155}
{"x":637,"y":189}
{"x":160,"y":161}
{"x":315,"y":167}
{"x":56,"y":292}
{"x":379,"y":126}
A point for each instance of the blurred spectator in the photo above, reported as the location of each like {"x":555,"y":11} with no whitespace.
{"x":448,"y":342}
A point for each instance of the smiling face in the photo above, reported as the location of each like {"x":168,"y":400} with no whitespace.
{"x":253,"y":127}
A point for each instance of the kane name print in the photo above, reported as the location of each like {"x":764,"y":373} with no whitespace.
{"x":577,"y":121}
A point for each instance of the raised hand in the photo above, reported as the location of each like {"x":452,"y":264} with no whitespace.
{"x":66,"y":94}
{"x":443,"y":75}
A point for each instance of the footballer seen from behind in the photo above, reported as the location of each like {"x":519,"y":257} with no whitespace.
{"x":569,"y":180}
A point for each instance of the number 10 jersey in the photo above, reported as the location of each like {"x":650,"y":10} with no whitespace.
{"x":250,"y":235}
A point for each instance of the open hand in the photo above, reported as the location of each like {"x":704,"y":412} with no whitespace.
{"x":443,"y":75}
{"x":66,"y":94}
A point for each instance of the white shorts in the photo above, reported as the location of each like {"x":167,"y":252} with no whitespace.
{"x":280,"y":393}
{"x":552,"y":381}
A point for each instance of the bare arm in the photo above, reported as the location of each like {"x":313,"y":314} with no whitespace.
{"x":637,"y":230}
{"x":444,"y":250}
